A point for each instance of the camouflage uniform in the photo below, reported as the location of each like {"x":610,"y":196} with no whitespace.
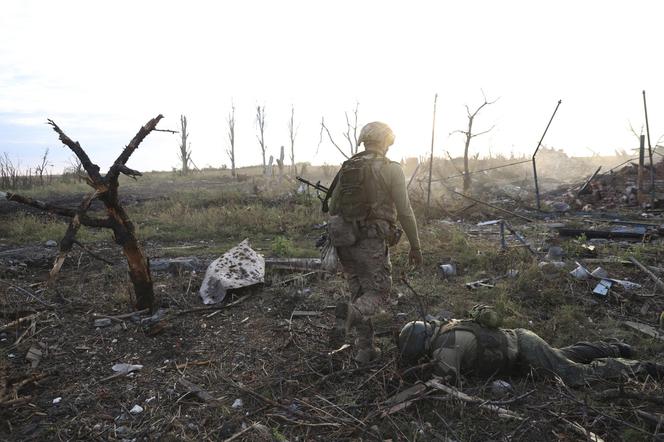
{"x":475,"y":350}
{"x":366,"y":259}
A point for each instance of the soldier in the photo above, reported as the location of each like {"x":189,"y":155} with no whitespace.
{"x":367,"y":198}
{"x":472,"y":347}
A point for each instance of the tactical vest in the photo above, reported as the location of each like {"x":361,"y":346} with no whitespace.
{"x":361,"y":191}
{"x":492,"y":356}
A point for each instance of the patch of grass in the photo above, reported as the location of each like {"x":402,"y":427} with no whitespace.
{"x":23,"y":228}
{"x":282,"y":246}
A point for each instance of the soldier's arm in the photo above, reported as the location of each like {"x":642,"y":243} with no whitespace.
{"x":399,"y":193}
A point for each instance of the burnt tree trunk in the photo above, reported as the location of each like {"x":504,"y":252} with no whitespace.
{"x":106,"y":190}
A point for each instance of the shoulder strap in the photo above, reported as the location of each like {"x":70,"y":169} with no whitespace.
{"x":328,"y":195}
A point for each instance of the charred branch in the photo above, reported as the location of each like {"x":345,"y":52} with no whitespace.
{"x":136,"y":141}
{"x":91,"y":168}
{"x":56,"y":210}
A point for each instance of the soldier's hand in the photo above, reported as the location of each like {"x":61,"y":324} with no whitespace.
{"x":415,"y":257}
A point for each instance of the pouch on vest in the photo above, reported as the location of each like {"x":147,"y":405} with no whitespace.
{"x":342,"y":232}
{"x":486,"y":316}
{"x":390,"y":232}
{"x":393,"y":236}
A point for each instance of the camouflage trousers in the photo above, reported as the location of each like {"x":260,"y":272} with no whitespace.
{"x":577,"y":364}
{"x":368,"y":270}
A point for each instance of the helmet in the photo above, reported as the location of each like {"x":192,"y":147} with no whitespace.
{"x":413,"y":340}
{"x":376,"y":133}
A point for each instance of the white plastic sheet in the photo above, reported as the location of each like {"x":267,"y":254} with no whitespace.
{"x":240,"y":267}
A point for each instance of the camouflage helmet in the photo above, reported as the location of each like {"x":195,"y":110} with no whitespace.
{"x":413,"y":340}
{"x":376,"y":133}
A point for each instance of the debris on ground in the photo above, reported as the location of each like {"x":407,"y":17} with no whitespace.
{"x":240,"y":267}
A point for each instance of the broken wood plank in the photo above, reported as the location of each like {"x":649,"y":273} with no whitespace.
{"x":645,"y":329}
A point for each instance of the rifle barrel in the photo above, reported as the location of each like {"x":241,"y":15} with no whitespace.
{"x":317,"y":186}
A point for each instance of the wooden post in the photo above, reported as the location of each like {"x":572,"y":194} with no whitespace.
{"x":652,"y":165}
{"x":433,"y":134}
{"x":639,"y":177}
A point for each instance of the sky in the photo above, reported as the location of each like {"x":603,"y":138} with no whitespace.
{"x":103,"y":69}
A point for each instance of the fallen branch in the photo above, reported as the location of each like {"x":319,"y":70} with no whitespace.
{"x":501,"y":412}
{"x":589,"y":435}
{"x":211,"y":307}
{"x":27,"y":292}
{"x":55,"y":210}
{"x":305,"y":424}
{"x":619,"y":393}
{"x":644,"y":269}
{"x":262,"y":429}
{"x":19,"y":321}
{"x":122,"y":316}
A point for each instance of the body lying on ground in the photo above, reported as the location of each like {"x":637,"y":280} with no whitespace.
{"x":466,"y":347}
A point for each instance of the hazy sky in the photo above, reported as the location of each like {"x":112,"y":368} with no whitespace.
{"x":102,"y":69}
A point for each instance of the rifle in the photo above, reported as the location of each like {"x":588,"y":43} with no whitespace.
{"x":318,"y":186}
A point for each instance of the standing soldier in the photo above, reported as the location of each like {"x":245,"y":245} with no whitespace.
{"x":367,"y":197}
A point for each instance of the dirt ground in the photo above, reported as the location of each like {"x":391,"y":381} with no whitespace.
{"x":257,"y":368}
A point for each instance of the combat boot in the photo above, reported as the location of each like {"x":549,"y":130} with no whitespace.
{"x":341,"y":325}
{"x":366,"y":350}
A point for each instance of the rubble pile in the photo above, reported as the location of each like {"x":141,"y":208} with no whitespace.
{"x":613,"y":189}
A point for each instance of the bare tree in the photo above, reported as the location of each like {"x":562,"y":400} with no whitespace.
{"x":231,"y":138}
{"x":469,"y":136}
{"x":185,"y":146}
{"x":351,"y":130}
{"x":41,"y":167}
{"x":292,"y":132}
{"x":104,"y":188}
{"x":280,"y":161}
{"x":260,"y":122}
{"x":350,"y":135}
{"x":76,"y":168}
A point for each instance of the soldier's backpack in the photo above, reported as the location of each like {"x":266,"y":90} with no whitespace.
{"x":360,"y":184}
